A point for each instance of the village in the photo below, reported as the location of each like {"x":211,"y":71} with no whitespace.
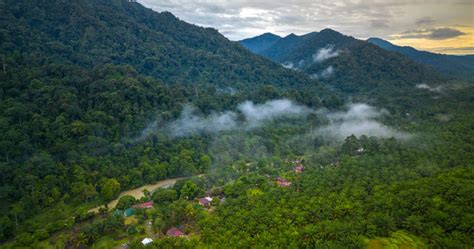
{"x":139,"y":211}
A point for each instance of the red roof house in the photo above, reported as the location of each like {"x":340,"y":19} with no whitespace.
{"x":205,"y":201}
{"x":174,"y":232}
{"x":148,"y":204}
{"x":283,"y":182}
{"x":299,"y":168}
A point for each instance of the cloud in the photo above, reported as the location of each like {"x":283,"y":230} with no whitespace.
{"x":247,"y":116}
{"x":325,"y":53}
{"x":379,"y":24}
{"x":431,"y":34}
{"x":291,"y":65}
{"x":255,"y":115}
{"x":288,"y":65}
{"x":189,"y":123}
{"x":148,"y":131}
{"x":465,"y":50}
{"x":425,"y":21}
{"x":429,"y":88}
{"x":326,"y":73}
{"x":359,"y":119}
{"x":246,"y":18}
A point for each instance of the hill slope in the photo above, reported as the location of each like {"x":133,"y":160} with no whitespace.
{"x":93,"y":90}
{"x":451,"y":65}
{"x":347,"y":63}
{"x":82,"y":81}
{"x":91,"y":33}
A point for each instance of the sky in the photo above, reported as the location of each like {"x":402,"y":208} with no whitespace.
{"x":441,"y":26}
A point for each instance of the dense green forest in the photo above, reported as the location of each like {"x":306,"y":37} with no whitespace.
{"x":98,"y":97}
{"x":345,"y":63}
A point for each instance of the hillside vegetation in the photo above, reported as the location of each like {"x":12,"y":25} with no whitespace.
{"x":102,"y":96}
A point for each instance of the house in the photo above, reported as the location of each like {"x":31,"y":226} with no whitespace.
{"x":205,"y":201}
{"x":174,"y":232}
{"x":283,"y":182}
{"x":146,"y":241}
{"x":129,"y":212}
{"x":148,"y":204}
{"x":299,"y":168}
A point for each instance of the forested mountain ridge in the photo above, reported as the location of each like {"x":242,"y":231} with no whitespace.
{"x":81,"y":80}
{"x":347,"y":63}
{"x":89,"y":33}
{"x":282,"y":47}
{"x":453,"y":66}
{"x":98,"y":97}
{"x":261,"y":42}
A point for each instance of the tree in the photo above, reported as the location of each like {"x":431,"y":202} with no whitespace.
{"x":205,"y":162}
{"x":24,"y":239}
{"x":125,"y":202}
{"x":164,"y":195}
{"x":351,"y":144}
{"x":110,"y":189}
{"x":17,"y":210}
{"x":84,"y":191}
{"x":78,"y":128}
{"x":189,"y":190}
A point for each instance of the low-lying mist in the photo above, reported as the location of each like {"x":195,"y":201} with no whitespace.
{"x":359,"y":119}
{"x":324,"y":74}
{"x":247,"y":116}
{"x":429,"y":88}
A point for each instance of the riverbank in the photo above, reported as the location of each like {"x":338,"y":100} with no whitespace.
{"x":137,"y":193}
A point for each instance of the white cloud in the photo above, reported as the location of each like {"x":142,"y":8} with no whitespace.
{"x":325,"y":53}
{"x":245,"y":18}
{"x":359,"y":119}
{"x":189,"y":123}
{"x":254,"y":115}
{"x":429,"y":88}
{"x":289,"y":65}
{"x":324,"y":74}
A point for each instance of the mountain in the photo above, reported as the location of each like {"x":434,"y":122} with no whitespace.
{"x":83,"y":83}
{"x":451,"y":65}
{"x":104,"y":101}
{"x":261,"y":42}
{"x":91,"y":33}
{"x":285,"y":45}
{"x":347,"y":63}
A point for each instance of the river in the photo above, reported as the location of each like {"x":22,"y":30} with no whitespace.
{"x":138,"y":192}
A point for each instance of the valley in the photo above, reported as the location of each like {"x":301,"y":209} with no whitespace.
{"x":127,"y":127}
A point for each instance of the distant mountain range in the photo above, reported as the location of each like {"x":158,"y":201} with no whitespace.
{"x":346,"y":63}
{"x":261,"y":42}
{"x":451,"y":65}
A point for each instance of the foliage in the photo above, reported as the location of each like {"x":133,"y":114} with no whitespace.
{"x":165,"y":195}
{"x":125,"y":202}
{"x":90,"y":87}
